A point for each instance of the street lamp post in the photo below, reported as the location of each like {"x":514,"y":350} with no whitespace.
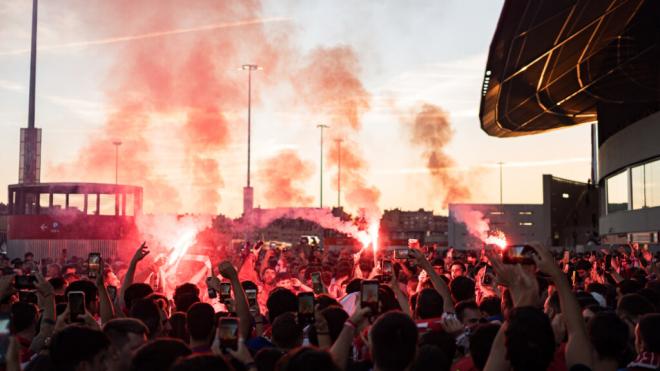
{"x":321,"y":126}
{"x":338,"y":141}
{"x":249,"y":68}
{"x":116,"y":143}
{"x":501,"y":189}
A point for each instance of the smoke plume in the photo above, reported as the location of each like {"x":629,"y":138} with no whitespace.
{"x":176,"y":100}
{"x":432,"y":131}
{"x":283,"y":175}
{"x":172,"y":99}
{"x":329,"y":84}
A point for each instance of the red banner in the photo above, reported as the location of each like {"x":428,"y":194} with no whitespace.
{"x":82,"y":227}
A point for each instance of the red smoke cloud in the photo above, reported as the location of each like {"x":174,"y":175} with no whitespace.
{"x":432,"y":131}
{"x":282,"y":176}
{"x":330,"y":85}
{"x":171,"y":99}
{"x":177,"y":102}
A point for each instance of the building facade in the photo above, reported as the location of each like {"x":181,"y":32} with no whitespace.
{"x":422,"y":225}
{"x":559,"y":63}
{"x":568,"y":217}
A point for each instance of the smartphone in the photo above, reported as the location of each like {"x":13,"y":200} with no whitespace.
{"x":608,"y":262}
{"x":27,"y":296}
{"x":112,"y":292}
{"x":251,"y":295}
{"x":228,"y":333}
{"x":487,"y":278}
{"x":317,"y":286}
{"x":386,"y":270}
{"x":369,"y":295}
{"x":93,"y":265}
{"x":212,"y":293}
{"x":4,"y":336}
{"x":76,"y":301}
{"x":306,"y":308}
{"x":225,"y":291}
{"x":25,"y":282}
{"x":518,"y":254}
{"x":401,"y":254}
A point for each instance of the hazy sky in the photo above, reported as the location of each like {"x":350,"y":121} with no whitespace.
{"x":410,"y":51}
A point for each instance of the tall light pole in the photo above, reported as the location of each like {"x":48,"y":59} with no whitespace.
{"x":116,"y":143}
{"x":501,"y":189}
{"x":248,"y":195}
{"x":338,"y":141}
{"x":321,"y":126}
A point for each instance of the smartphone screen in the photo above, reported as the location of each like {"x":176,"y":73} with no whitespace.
{"x":369,"y":295}
{"x":93,"y":265}
{"x":306,"y":307}
{"x":387,"y":267}
{"x":316,"y":282}
{"x":212,"y":293}
{"x":25,"y":282}
{"x":76,"y":305}
{"x":229,"y":333}
{"x":112,"y":292}
{"x":518,"y":254}
{"x":386,"y":270}
{"x":4,"y":337}
{"x":487,"y":278}
{"x":225,"y":291}
{"x":251,"y":295}
{"x":401,"y":253}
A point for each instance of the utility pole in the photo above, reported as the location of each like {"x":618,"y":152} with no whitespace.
{"x":338,"y":141}
{"x":116,"y":143}
{"x":501,"y":189}
{"x":321,"y":126}
{"x":248,"y":194}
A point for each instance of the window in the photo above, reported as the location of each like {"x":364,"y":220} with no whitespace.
{"x":637,"y":182}
{"x":525,"y":213}
{"x":526,"y":224}
{"x":652,"y":183}
{"x":645,"y":182}
{"x":565,"y":195}
{"x":617,"y":192}
{"x":107,"y":204}
{"x":496,"y":213}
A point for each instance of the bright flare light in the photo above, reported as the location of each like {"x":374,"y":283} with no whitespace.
{"x":181,"y":246}
{"x":497,"y":238}
{"x":374,"y":230}
{"x":369,"y":237}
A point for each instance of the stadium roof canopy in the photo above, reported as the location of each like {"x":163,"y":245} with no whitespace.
{"x":554,"y":63}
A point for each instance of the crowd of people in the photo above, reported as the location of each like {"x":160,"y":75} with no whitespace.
{"x":305,"y":308}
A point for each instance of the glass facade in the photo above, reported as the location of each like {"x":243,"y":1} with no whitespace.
{"x":617,"y":192}
{"x":644,"y":186}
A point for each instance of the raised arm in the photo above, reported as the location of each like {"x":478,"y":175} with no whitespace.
{"x":141,"y":252}
{"x":106,"y":308}
{"x":46,"y":302}
{"x":400,"y":296}
{"x":438,"y":284}
{"x":228,"y":271}
{"x":341,"y":349}
{"x":578,"y":347}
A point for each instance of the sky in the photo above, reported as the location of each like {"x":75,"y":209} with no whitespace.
{"x":409,"y":53}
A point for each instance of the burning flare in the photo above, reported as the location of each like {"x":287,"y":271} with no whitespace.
{"x":497,"y":238}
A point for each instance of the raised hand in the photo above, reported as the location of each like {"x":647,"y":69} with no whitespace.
{"x":227,"y":270}
{"x":141,"y":252}
{"x":544,"y":260}
{"x":44,"y":288}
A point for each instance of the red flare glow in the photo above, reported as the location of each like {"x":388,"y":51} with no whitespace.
{"x":497,"y":238}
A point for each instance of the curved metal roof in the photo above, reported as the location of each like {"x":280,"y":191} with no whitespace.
{"x":552,"y":63}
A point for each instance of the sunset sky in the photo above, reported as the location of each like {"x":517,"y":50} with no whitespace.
{"x":409,"y":53}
